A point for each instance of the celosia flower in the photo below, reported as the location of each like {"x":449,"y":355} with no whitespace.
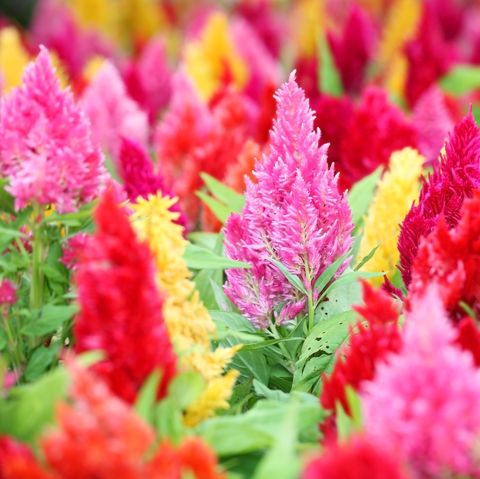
{"x":455,"y":177}
{"x":18,"y":462}
{"x":139,"y":177}
{"x":352,"y":48}
{"x":429,"y":56}
{"x":214,"y":58}
{"x":13,"y":58}
{"x":369,"y":343}
{"x":235,"y":175}
{"x":423,"y":401}
{"x":376,"y":129}
{"x":433,"y":123}
{"x":120,"y":306}
{"x":46,"y":149}
{"x":293,"y":214}
{"x":148,"y":78}
{"x":469,"y":338}
{"x":72,"y":249}
{"x":190,"y":326}
{"x":99,"y":436}
{"x":360,"y":458}
{"x":112,"y":112}
{"x":8,"y":292}
{"x":396,"y":192}
{"x":451,"y":258}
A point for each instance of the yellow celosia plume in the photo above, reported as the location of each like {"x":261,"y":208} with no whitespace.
{"x":400,"y":26}
{"x":308,"y":26}
{"x":396,"y":192}
{"x":213,"y":56}
{"x":13,"y":58}
{"x":189,"y":324}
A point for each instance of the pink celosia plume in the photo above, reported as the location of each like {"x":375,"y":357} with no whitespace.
{"x":112,"y":112}
{"x":46,"y":150}
{"x":424,"y":399}
{"x":293,"y":214}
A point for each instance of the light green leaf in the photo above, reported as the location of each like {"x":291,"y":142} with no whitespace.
{"x":225,"y":194}
{"x":461,"y":79}
{"x":50,"y":320}
{"x":329,"y":77}
{"x":197,"y":257}
{"x":361,"y":195}
{"x":291,"y":278}
{"x":147,"y":396}
{"x":186,"y":388}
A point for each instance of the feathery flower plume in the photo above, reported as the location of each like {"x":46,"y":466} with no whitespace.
{"x":99,"y":436}
{"x":396,"y":192}
{"x":120,"y":306}
{"x":139,"y":177}
{"x":213,"y":58}
{"x":148,"y":78}
{"x":376,"y":129}
{"x":455,"y":177}
{"x":360,"y":458}
{"x":352,"y":48}
{"x":293,"y":214}
{"x":46,"y":149}
{"x":433,"y":123}
{"x":423,"y":400}
{"x":451,"y":258}
{"x":113,"y":114}
{"x":190,"y":326}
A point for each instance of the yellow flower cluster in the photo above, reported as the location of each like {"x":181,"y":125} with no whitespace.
{"x":396,"y":192}
{"x":122,"y":21}
{"x":400,"y":26}
{"x":207,"y":58}
{"x":13,"y":58}
{"x":308,"y":26}
{"x":189,"y":324}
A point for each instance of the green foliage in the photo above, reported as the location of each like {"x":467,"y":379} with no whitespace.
{"x":328,"y":75}
{"x":461,"y":79}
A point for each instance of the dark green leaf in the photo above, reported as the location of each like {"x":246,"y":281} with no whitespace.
{"x":50,"y":320}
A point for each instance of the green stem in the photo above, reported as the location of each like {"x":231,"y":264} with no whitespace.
{"x":13,"y":344}
{"x":36,"y":291}
{"x":311,"y":311}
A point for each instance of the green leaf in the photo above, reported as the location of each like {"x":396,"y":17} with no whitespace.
{"x":221,"y":211}
{"x":50,"y":320}
{"x":291,"y":278}
{"x":186,"y":388}
{"x":3,"y":340}
{"x":40,"y":360}
{"x":345,"y":425}
{"x":329,"y":272}
{"x":461,"y":79}
{"x":7,"y":202}
{"x":327,"y":335}
{"x":169,"y":420}
{"x":206,"y":240}
{"x":366,"y":259}
{"x":329,"y":78}
{"x":282,"y":461}
{"x":361,"y":195}
{"x":258,"y":428}
{"x":147,"y":396}
{"x":350,"y":277}
{"x":225,"y":194}
{"x":197,"y":257}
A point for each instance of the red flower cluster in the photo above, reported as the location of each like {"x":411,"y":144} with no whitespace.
{"x":455,"y":177}
{"x":369,"y":343}
{"x":358,"y":459}
{"x":120,"y":306}
{"x":100,"y":437}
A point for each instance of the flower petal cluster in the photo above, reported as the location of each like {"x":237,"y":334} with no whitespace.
{"x":454,"y":178}
{"x":293,"y":214}
{"x":46,"y":150}
{"x":189,"y":325}
{"x":451,"y":258}
{"x":120,"y":306}
{"x":423,"y":401}
{"x":395,"y":194}
{"x":112,"y":113}
{"x":360,"y":458}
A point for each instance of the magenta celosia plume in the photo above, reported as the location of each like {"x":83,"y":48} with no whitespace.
{"x":120,"y":306}
{"x":455,"y":177}
{"x":293,"y":214}
{"x":112,"y":112}
{"x":139,"y":177}
{"x":423,"y":401}
{"x":46,"y":150}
